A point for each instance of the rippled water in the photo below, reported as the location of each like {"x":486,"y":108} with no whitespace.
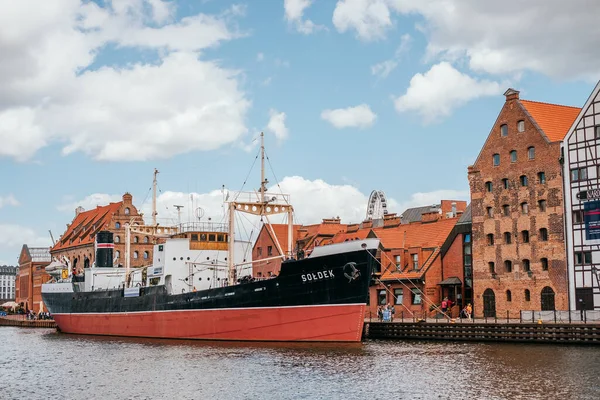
{"x":43,"y":364}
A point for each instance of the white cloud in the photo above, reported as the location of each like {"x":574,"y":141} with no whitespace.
{"x":294,"y":12}
{"x":276,"y":124}
{"x":90,"y":202}
{"x":260,"y":57}
{"x":442,"y":89}
{"x":50,"y":96}
{"x":13,"y":237}
{"x":360,"y":116}
{"x":422,"y":199}
{"x":369,"y":18}
{"x":9,"y":200}
{"x":384,"y":68}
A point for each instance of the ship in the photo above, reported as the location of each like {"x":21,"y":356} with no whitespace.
{"x":195,"y":287}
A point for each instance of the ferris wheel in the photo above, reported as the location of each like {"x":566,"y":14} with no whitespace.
{"x":377,"y":205}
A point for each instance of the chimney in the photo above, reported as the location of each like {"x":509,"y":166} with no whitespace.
{"x":352,"y":228}
{"x":391,"y":220}
{"x":335,"y":220}
{"x":511,"y":94}
{"x":367,"y":224}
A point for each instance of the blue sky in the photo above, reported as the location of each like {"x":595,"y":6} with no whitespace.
{"x":353,"y":95}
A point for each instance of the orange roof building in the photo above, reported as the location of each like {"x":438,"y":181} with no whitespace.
{"x":77,"y":242}
{"x":517,"y":210}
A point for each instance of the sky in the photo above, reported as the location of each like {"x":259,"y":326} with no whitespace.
{"x":352,"y":95}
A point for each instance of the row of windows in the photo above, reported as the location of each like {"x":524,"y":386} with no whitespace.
{"x":513,"y":156}
{"x":581,"y":174}
{"x":526,"y":264}
{"x":269,"y":251}
{"x":415,"y":296}
{"x":523,"y":181}
{"x":211,"y":237}
{"x":524,"y":207}
{"x":136,"y":254}
{"x":520,"y":128}
{"x":136,"y":239}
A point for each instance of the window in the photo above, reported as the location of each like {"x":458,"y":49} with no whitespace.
{"x":544,"y":262}
{"x":117,"y":254}
{"x":506,"y":210}
{"x":136,"y":239}
{"x":416,"y":296}
{"x":147,"y":239}
{"x":146,"y":255}
{"x":508,"y":295}
{"x":398,"y":263}
{"x":496,"y":159}
{"x":488,"y":186}
{"x":544,"y":234}
{"x":513,"y":156}
{"x":578,"y":174}
{"x":505,"y":183}
{"x":212,"y":237}
{"x":504,"y":130}
{"x":117,"y":239}
{"x":542,"y":205}
{"x":507,"y":238}
{"x":381,"y":297}
{"x":127,"y":210}
{"x":220,"y":237}
{"x":531,"y":153}
{"x":135,"y":255}
{"x":259,"y":251}
{"x":526,"y":265}
{"x":203,"y":237}
{"x":583,"y":257}
{"x":577,"y":216}
{"x":415,"y":260}
{"x":527,"y":295}
{"x":490,"y":212}
{"x":597,"y":131}
{"x":117,"y":225}
{"x":399,"y":296}
{"x":521,"y":126}
{"x":523,"y":180}
{"x":490,"y":239}
{"x":194,"y":237}
{"x":524,"y":208}
{"x":269,"y":250}
{"x":541,"y":177}
{"x":525,"y":236}
{"x":508,"y":266}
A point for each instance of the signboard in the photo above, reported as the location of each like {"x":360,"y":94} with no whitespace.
{"x":155,"y":271}
{"x":132,"y":292}
{"x":591,"y":214}
{"x":589,"y":194}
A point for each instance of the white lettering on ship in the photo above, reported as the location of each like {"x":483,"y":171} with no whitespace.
{"x":318,"y":276}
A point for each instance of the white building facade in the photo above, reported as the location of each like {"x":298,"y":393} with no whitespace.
{"x":581,"y":152}
{"x":7,"y":283}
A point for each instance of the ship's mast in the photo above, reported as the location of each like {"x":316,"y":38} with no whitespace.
{"x":263,"y":207}
{"x":154,"y":184}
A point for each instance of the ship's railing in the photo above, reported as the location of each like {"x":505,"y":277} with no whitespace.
{"x":254,"y":197}
{"x":203,"y":227}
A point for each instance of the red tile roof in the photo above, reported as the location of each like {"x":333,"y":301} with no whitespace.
{"x":85,"y":225}
{"x":431,"y":234}
{"x":347,"y":236}
{"x":555,"y":120}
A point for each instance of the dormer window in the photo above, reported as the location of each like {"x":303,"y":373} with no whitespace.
{"x":504,"y":130}
{"x":127,"y":210}
{"x":521,"y":126}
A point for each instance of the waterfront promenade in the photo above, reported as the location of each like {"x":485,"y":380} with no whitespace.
{"x":21,"y":321}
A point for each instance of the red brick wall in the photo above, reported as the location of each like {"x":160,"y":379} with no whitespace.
{"x":546,"y":160}
{"x":263,"y":268}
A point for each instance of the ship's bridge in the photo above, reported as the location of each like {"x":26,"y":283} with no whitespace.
{"x":205,"y":235}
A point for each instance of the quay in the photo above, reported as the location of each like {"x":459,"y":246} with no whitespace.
{"x":480,"y":331}
{"x":25,"y":323}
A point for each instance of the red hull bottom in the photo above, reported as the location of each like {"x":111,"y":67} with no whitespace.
{"x":327,"y":323}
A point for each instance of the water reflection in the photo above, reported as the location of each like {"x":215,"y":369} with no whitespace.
{"x":40,"y":364}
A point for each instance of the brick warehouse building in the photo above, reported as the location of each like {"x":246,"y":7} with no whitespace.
{"x":517,"y":210}
{"x":77,"y":243}
{"x":32,"y":274}
{"x":582,"y":203}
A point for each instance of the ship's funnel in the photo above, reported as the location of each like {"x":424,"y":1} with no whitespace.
{"x":104,"y":249}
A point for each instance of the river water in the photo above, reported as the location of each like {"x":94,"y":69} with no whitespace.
{"x":44,"y":364}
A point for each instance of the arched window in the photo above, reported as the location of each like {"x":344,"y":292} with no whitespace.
{"x":521,"y":126}
{"x":508,"y":295}
{"x":136,"y":255}
{"x":117,"y":225}
{"x":117,"y":239}
{"x":490,"y":212}
{"x":508,"y":266}
{"x":526,"y":265}
{"x":505,"y":183}
{"x":136,"y":239}
{"x":541,"y":177}
{"x":523,"y":180}
{"x":547,"y":297}
{"x":488,"y":186}
{"x":531,"y":153}
{"x":146,"y":239}
{"x":117,"y":254}
{"x":527,"y":295}
{"x":496,"y":159}
{"x":506,"y":210}
{"x":146,"y":255}
{"x":513,"y":156}
{"x":504,"y":130}
{"x":489,"y":303}
{"x":507,"y":238}
{"x":127,"y":211}
{"x":524,"y":208}
{"x":525,"y":236}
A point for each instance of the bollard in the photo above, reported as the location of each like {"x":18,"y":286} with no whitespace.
{"x":554,"y":316}
{"x":532,"y":317}
{"x":507,"y":317}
